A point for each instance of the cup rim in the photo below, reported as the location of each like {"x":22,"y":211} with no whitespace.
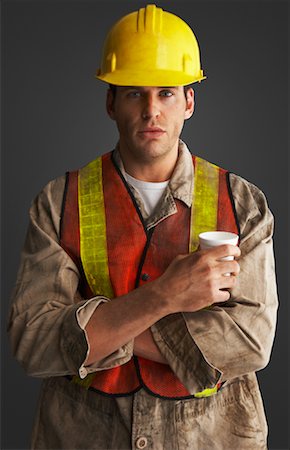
{"x":217,"y":235}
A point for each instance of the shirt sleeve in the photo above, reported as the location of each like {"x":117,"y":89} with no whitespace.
{"x":48,"y":315}
{"x":233,"y":338}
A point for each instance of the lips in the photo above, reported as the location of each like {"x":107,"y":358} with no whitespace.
{"x":152,"y":132}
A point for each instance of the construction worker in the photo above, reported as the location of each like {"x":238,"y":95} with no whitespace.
{"x":143,"y":339}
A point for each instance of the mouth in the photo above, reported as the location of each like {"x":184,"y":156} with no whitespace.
{"x":151,"y":132}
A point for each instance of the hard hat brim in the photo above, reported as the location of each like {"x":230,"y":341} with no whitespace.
{"x":149,"y":78}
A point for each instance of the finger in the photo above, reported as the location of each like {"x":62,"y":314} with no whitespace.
{"x":225,"y":250}
{"x":227,"y":281}
{"x":231,"y":267}
{"x":222,"y":296}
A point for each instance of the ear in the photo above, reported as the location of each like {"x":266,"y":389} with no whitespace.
{"x":110,"y":104}
{"x":189,"y":104}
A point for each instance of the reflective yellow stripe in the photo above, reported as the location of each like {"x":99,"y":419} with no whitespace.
{"x":93,"y":239}
{"x":204,"y":214}
{"x":205,"y":200}
{"x":206,"y":392}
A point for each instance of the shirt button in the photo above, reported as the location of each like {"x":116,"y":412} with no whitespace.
{"x":145,"y":276}
{"x":83,"y":372}
{"x":141,"y":442}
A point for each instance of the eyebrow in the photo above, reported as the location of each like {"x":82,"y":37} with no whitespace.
{"x":144,"y":87}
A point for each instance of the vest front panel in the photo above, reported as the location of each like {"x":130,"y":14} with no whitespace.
{"x":136,"y":256}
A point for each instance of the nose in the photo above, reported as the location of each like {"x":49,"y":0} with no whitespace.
{"x":151,"y":108}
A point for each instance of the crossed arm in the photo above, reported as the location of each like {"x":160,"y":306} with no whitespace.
{"x":233,"y":335}
{"x":190,"y":283}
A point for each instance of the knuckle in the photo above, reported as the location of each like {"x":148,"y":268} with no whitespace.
{"x":207,"y":265}
{"x":234,"y":281}
{"x":206,"y":262}
{"x":236,"y":267}
{"x":207,"y":272}
{"x":228,"y":248}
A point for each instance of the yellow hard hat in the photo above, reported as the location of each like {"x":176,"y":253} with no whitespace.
{"x":150,"y":47}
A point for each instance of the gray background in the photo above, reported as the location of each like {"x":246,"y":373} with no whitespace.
{"x":54,"y":120}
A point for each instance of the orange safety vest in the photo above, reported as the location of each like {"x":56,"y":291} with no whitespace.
{"x":104,"y":233}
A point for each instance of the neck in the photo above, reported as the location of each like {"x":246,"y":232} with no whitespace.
{"x":154,"y":170}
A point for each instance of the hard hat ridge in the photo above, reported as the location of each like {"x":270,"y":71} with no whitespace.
{"x":150,"y":47}
{"x":149,"y":19}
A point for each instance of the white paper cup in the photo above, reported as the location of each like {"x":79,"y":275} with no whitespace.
{"x":210,"y":239}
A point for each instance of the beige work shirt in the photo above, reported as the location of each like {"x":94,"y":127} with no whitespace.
{"x":226,"y":342}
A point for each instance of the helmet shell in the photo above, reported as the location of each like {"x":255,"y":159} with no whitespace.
{"x":150,"y":47}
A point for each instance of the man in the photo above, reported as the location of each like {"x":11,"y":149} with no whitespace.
{"x":142,"y":340}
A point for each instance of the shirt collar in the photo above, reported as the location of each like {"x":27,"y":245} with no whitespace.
{"x":181,"y":182}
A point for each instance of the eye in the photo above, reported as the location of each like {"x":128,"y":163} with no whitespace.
{"x":166,"y":93}
{"x":134,"y":94}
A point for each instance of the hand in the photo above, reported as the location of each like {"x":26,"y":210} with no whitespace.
{"x":195,"y":281}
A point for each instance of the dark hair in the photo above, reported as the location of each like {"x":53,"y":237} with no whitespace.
{"x":113,"y":88}
{"x":185,"y":89}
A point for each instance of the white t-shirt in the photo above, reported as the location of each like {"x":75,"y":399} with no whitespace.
{"x":150,"y":192}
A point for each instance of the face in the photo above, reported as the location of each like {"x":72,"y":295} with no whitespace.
{"x":149,"y":120}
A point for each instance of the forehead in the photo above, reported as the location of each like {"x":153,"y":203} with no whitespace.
{"x":147,"y":88}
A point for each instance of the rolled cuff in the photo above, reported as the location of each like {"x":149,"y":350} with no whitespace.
{"x":183,"y":355}
{"x":117,"y":358}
